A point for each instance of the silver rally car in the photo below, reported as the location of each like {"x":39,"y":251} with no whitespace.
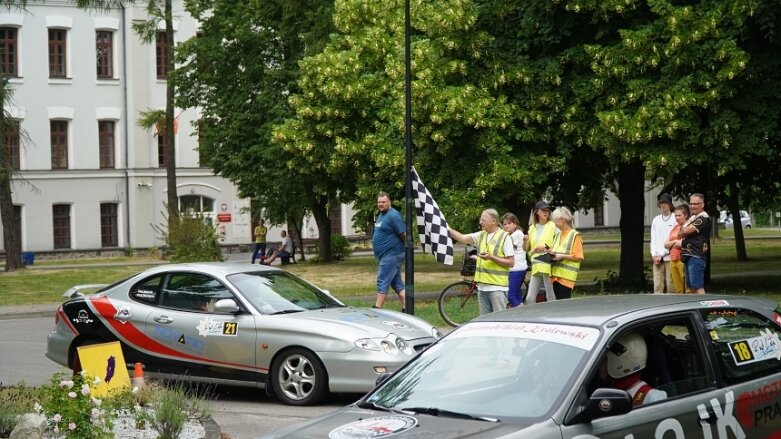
{"x":240,"y":324}
{"x":708,"y":367}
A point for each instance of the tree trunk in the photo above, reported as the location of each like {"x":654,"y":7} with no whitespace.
{"x":170,"y":89}
{"x":12,"y":239}
{"x":733,"y":202}
{"x":631,"y":194}
{"x":323,"y":221}
{"x":295,"y":221}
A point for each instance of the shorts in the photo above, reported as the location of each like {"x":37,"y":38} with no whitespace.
{"x":389,"y":273}
{"x":695,"y":273}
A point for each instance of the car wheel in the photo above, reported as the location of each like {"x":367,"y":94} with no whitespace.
{"x":298,"y":377}
{"x":748,"y":226}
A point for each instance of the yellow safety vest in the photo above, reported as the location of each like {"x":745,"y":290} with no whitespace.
{"x":548,"y":234}
{"x":488,"y":271}
{"x":566,"y":269}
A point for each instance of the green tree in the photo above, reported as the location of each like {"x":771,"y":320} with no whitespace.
{"x":12,"y":236}
{"x":239,"y":72}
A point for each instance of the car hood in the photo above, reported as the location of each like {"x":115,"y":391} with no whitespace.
{"x":353,"y":423}
{"x":369,"y":322}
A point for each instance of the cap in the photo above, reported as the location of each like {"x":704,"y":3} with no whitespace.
{"x":664,"y":198}
{"x":541,"y":205}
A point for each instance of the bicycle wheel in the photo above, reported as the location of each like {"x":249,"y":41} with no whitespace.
{"x":457,"y":304}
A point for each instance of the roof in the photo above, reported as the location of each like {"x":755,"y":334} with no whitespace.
{"x":221,"y":268}
{"x":598,"y":310}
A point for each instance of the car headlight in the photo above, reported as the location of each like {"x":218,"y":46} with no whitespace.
{"x":367,"y":344}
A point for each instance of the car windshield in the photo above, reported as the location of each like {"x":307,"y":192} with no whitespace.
{"x":509,"y":372}
{"x":280,"y":292}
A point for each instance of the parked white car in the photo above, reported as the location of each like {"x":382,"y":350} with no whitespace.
{"x":725,"y":220}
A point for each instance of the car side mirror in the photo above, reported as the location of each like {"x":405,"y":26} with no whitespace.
{"x":608,"y":402}
{"x":226,"y":306}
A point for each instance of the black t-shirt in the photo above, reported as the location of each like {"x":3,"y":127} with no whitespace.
{"x":696,"y":244}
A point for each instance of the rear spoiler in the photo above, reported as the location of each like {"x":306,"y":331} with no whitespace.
{"x":76,"y":291}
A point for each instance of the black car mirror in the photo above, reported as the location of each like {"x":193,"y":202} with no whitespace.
{"x":226,"y":306}
{"x":608,"y":402}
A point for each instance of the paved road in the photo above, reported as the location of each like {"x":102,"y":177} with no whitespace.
{"x":241,"y":413}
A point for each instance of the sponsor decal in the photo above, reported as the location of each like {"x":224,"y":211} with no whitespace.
{"x":123,"y":314}
{"x":714,"y":303}
{"x":211,"y":328}
{"x":577,"y":336}
{"x":189,"y":344}
{"x":397,"y":325}
{"x":145,"y":295}
{"x":373,"y":428}
{"x":765,"y":347}
{"x":760,"y":407}
{"x":82,"y":317}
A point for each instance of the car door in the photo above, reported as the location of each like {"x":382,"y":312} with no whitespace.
{"x":678,"y":364}
{"x":189,"y":337}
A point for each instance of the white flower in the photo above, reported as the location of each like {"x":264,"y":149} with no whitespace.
{"x":37,"y":407}
{"x":83,"y":374}
{"x":96,"y":402}
{"x":71,"y":394}
{"x":85,"y":389}
{"x":96,"y":381}
{"x":95,"y":413}
{"x":66,"y":384}
{"x":57,"y":417}
{"x":72,"y":426}
{"x":56,"y":429}
{"x":135,"y":390}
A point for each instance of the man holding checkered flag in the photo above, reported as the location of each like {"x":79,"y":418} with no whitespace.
{"x":432,"y":225}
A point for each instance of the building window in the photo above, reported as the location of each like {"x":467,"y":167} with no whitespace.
{"x":106,"y":143}
{"x":162,"y":149}
{"x":161,"y":55}
{"x":59,"y":140}
{"x":8,"y":45}
{"x":104,"y":56}
{"x":109,"y":230}
{"x":195,"y":204}
{"x":61,"y":221}
{"x":599,"y":216}
{"x":57,"y":53}
{"x":12,"y":145}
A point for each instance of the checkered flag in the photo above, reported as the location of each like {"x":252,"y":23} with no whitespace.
{"x":432,"y":225}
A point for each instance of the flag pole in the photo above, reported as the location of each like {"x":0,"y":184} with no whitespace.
{"x":409,"y":262}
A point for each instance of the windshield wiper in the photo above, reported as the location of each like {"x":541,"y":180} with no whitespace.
{"x":287,"y":311}
{"x":433,"y":411}
{"x":375,"y":406}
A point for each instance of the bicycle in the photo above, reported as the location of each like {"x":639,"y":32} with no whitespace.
{"x":457,"y":302}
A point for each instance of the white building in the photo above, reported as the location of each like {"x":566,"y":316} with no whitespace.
{"x":90,"y":177}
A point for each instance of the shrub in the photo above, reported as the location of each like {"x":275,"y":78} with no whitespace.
{"x":14,"y":401}
{"x":72,"y":411}
{"x":340,"y":247}
{"x":173,"y":408}
{"x":191,"y":238}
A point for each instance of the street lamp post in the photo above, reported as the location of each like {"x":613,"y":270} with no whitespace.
{"x":409,"y":264}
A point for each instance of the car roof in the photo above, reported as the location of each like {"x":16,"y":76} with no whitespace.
{"x":598,"y":310}
{"x":215,"y":268}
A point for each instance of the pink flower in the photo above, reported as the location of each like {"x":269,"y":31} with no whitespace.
{"x":95,"y":413}
{"x":71,"y":394}
{"x":57,"y":417}
{"x":72,"y":426}
{"x":85,"y":389}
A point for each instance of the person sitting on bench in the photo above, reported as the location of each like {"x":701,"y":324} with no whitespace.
{"x":283,"y":252}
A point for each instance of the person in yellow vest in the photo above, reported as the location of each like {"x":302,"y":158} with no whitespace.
{"x":495,"y":256}
{"x":260,"y":241}
{"x":541,"y":234}
{"x":567,"y":254}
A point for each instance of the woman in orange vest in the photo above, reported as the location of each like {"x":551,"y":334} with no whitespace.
{"x":567,"y":254}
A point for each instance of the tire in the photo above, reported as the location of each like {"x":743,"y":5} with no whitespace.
{"x":455,"y":306}
{"x":298,"y":377}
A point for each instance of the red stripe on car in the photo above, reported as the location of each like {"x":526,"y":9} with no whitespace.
{"x":66,"y":320}
{"x":132,"y":335}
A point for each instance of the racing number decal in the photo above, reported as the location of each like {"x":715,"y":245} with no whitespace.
{"x":741,"y":352}
{"x":230,"y":328}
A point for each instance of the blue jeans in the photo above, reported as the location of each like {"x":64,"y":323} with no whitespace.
{"x":695,"y":273}
{"x":389,"y":273}
{"x":260,"y":247}
{"x":514,"y":295}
